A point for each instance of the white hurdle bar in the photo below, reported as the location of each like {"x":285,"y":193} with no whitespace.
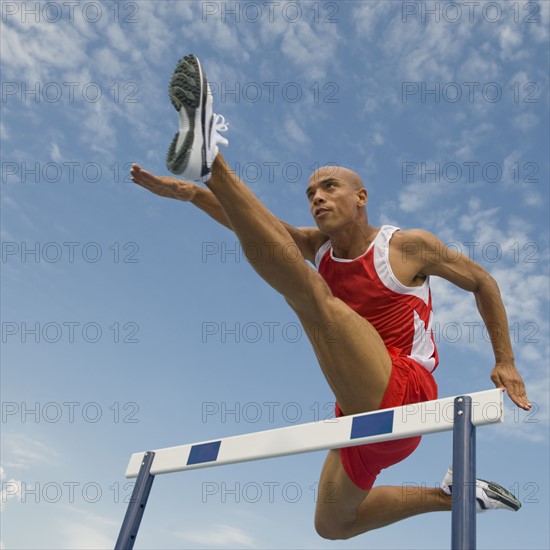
{"x":383,"y":425}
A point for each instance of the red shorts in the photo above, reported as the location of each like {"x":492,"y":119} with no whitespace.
{"x":409,"y":383}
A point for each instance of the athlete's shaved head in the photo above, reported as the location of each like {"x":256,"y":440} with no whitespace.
{"x":337,"y":198}
{"x":338,"y":172}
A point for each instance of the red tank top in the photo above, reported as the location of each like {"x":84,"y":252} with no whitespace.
{"x":402,"y":315}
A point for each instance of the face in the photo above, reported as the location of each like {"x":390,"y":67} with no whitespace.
{"x":336,"y":198}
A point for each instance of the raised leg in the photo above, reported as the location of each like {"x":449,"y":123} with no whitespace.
{"x":351,"y":353}
{"x":344,"y":511}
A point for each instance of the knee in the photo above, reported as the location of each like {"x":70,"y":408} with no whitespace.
{"x":332,"y":530}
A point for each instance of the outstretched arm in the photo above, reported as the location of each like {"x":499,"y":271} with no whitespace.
{"x":435,"y":259}
{"x":308,"y":239}
{"x":173,"y":188}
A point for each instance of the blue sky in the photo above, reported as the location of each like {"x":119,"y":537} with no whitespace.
{"x":132,"y":322}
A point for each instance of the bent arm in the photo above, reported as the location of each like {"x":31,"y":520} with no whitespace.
{"x":308,"y":239}
{"x":433,"y":258}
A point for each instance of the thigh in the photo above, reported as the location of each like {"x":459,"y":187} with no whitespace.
{"x":351,"y":353}
{"x":409,"y":383}
{"x":338,"y":498}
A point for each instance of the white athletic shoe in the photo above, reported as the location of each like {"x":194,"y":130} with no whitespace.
{"x":489,"y":495}
{"x":195,"y":146}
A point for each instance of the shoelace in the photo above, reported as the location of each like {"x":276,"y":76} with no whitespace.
{"x":220,"y":125}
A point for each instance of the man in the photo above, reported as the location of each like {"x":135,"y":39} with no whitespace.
{"x":371,"y":290}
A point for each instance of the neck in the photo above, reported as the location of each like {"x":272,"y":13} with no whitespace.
{"x":352,"y":241}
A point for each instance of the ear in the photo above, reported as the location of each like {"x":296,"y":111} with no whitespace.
{"x":362,"y":197}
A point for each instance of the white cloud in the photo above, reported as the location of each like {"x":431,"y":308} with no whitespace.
{"x":79,"y":529}
{"x":36,"y":51}
{"x":222,"y":37}
{"x":510,"y":39}
{"x":533,"y":198}
{"x":312,"y":52}
{"x":478,"y":63}
{"x":378,"y":139}
{"x":23,"y":452}
{"x":369,"y":17}
{"x":539,"y":29}
{"x":55,"y":153}
{"x":525,"y":121}
{"x":220,"y":536}
{"x":118,"y":39}
{"x":11,"y":488}
{"x":83,"y":536}
{"x":295,"y":132}
{"x":418,"y":195}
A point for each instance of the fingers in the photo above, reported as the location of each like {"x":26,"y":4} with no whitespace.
{"x":159,"y":185}
{"x":135,"y":172}
{"x":507,"y":377}
{"x":516,"y":392}
{"x":521,"y":400}
{"x":520,"y":394}
{"x":142,"y":177}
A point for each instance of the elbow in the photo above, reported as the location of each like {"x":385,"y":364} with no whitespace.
{"x":486,"y":282}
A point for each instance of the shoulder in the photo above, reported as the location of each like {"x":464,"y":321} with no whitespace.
{"x":411,"y":239}
{"x":308,"y":239}
{"x":318,"y":242}
{"x":420,"y":247}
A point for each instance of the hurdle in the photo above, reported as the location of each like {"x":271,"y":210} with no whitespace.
{"x":461,"y":414}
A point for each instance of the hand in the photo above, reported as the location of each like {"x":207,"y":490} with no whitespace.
{"x":505,"y":375}
{"x":164,"y":186}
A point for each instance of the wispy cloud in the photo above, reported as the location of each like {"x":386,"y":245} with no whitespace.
{"x":295,"y":132}
{"x":311,"y":51}
{"x":82,"y":530}
{"x":23,"y":452}
{"x":220,"y":536}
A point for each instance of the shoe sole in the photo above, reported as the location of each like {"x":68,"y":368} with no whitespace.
{"x":500,"y":494}
{"x":187,"y":90}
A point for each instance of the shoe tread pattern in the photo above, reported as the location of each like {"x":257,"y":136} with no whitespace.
{"x":184,"y":91}
{"x":499,"y":493}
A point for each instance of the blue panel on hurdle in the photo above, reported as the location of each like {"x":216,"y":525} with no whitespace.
{"x":372,"y":424}
{"x":206,"y":452}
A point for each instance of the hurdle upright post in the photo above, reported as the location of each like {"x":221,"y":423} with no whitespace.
{"x":463,"y":528}
{"x":136,"y":507}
